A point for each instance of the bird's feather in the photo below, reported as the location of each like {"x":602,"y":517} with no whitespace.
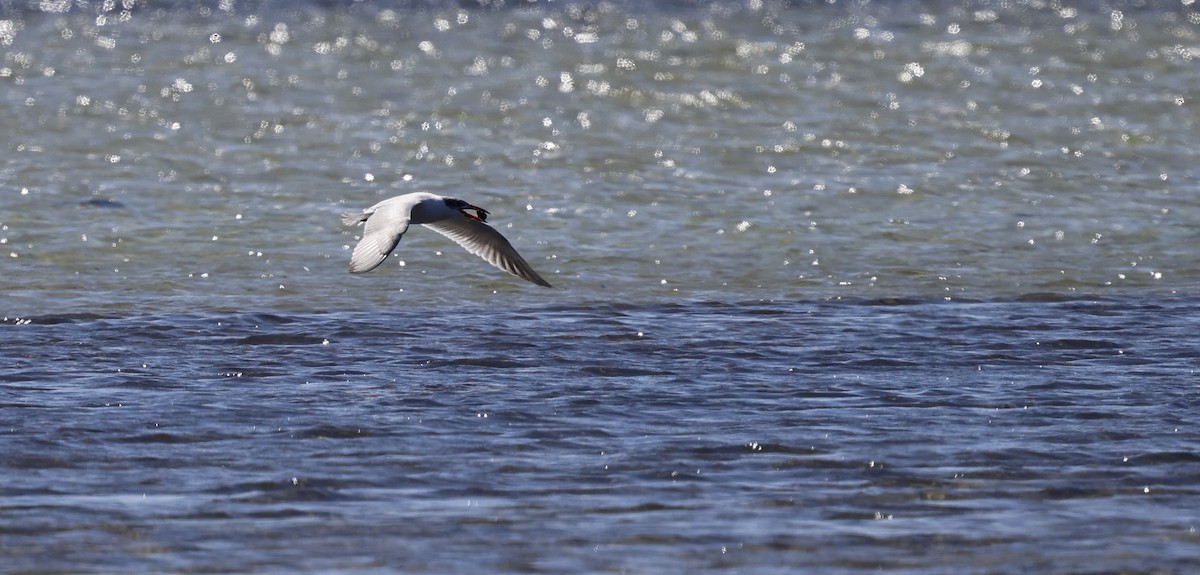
{"x":382,"y":232}
{"x":484,"y":241}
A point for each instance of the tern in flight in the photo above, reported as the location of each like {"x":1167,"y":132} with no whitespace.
{"x":387,"y":221}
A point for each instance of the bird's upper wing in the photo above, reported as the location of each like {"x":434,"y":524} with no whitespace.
{"x":484,"y":241}
{"x":385,"y":226}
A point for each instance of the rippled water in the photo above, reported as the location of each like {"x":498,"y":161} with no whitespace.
{"x":848,"y":287}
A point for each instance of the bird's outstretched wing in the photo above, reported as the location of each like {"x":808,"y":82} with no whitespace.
{"x":484,"y":241}
{"x":385,"y":225}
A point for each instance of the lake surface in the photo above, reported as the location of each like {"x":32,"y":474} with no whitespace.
{"x":847,"y":287}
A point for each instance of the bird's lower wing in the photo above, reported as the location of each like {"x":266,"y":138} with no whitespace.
{"x":484,"y":241}
{"x":381,"y":234}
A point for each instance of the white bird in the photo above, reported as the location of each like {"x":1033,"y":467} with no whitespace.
{"x":387,"y":221}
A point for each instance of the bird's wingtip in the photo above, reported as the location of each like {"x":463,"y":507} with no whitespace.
{"x":361,"y":267}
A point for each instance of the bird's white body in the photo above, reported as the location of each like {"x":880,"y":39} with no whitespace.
{"x":386,"y":222}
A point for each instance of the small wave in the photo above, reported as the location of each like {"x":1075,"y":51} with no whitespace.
{"x":104,"y":203}
{"x":495,"y":362}
{"x":610,"y":371}
{"x":331,"y":432}
{"x":1080,"y":344}
{"x":282,"y":339}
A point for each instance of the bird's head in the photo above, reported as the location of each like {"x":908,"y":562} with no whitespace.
{"x":480,"y":214}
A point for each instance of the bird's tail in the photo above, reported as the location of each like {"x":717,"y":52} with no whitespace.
{"x":354,"y":218}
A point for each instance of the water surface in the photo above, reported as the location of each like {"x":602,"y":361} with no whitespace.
{"x":848,"y":287}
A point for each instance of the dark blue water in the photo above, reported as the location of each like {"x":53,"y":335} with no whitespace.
{"x":764,"y":437}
